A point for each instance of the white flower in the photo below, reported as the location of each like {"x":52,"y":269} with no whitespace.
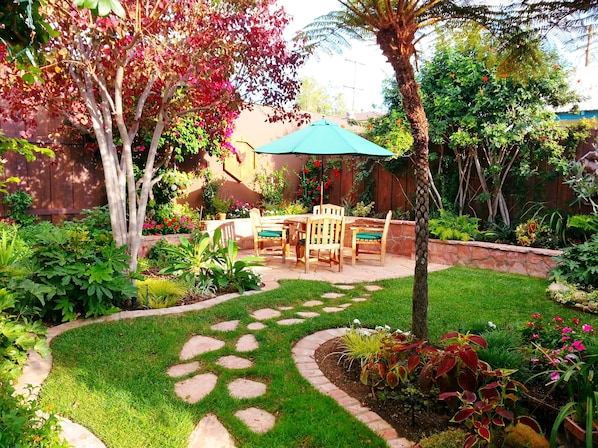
{"x":356,"y":321}
{"x":492,"y":325}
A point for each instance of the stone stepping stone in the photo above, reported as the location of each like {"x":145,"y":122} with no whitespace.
{"x":359,"y":299}
{"x":257,"y":420}
{"x":313,"y":303}
{"x":292,"y":321}
{"x":285,"y":308}
{"x":256,"y":326}
{"x":234,"y":362}
{"x":230,"y":325}
{"x":307,"y":314}
{"x":345,"y":305}
{"x":198,"y":345}
{"x":332,"y":309}
{"x":345,"y":287}
{"x":332,"y":295}
{"x":210,"y":433}
{"x":265,"y":313}
{"x":194,"y":389}
{"x":243,"y":388}
{"x":182,"y":369}
{"x":247,"y":343}
{"x":373,"y":287}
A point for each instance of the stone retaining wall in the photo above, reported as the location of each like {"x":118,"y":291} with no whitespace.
{"x":401,"y":241}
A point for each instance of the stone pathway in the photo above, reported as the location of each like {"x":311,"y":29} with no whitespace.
{"x":193,"y":384}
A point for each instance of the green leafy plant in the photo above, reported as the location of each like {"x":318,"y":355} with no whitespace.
{"x":451,"y":438}
{"x":451,"y":227}
{"x":313,"y":177}
{"x":159,"y":292}
{"x":25,"y":423}
{"x":229,"y":272}
{"x":18,"y":203}
{"x":578,"y":265}
{"x":578,"y":380}
{"x":72,"y":274}
{"x":362,"y":209}
{"x":586,"y":224}
{"x":191,"y":260}
{"x":272,"y":186}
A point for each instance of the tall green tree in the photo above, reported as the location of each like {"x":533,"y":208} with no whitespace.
{"x":314,"y":97}
{"x":397,"y":26}
{"x":497,"y":127}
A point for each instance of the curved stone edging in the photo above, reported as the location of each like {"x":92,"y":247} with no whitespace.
{"x":304,"y":355}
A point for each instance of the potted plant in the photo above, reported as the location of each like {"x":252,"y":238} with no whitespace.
{"x":222,"y":206}
{"x":580,"y":414}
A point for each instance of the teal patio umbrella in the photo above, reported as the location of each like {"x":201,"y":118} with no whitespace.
{"x":324,"y":138}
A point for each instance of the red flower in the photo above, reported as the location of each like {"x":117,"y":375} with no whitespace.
{"x":336,"y":172}
{"x":305,"y":170}
{"x":317,"y":163}
{"x":484,"y":79}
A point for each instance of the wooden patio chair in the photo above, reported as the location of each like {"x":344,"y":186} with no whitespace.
{"x":372,"y":238}
{"x":329,"y":209}
{"x":323,"y":241}
{"x":268,"y":234}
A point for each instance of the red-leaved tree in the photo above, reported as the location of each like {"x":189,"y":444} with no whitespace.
{"x":121,"y":79}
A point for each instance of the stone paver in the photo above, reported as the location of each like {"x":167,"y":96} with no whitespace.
{"x":291,"y":321}
{"x":285,"y":308}
{"x":242,"y":388}
{"x":332,"y":295}
{"x":210,"y":433}
{"x":345,"y":305}
{"x":247,"y":343}
{"x":311,"y":303}
{"x":359,"y":299}
{"x":256,"y":326}
{"x":307,"y":314}
{"x":257,"y":420}
{"x":332,"y":309}
{"x":77,"y":436}
{"x":182,"y":369}
{"x":229,"y":325}
{"x":345,"y":287}
{"x":199,"y":345}
{"x":265,"y":313}
{"x":234,"y":362}
{"x":194,"y":389}
{"x":373,"y":287}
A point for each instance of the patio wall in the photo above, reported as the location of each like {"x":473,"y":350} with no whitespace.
{"x":401,"y":241}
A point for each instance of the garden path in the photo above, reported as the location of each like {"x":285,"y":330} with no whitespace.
{"x":195,"y":385}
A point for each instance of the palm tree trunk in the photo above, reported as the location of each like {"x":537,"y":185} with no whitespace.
{"x":399,"y":54}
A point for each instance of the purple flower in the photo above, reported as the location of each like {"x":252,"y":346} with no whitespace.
{"x":555,"y":376}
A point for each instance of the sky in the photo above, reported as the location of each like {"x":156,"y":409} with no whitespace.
{"x":357,"y":73}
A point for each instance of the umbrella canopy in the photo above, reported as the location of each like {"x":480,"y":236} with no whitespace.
{"x":324,"y":138}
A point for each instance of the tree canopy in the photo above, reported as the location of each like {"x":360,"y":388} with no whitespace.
{"x":120,"y":79}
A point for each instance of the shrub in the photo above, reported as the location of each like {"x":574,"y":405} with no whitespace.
{"x":578,"y":265}
{"x":72,"y":274}
{"x":160,"y":292}
{"x":361,"y":209}
{"x":272,"y":186}
{"x":451,"y":438}
{"x":18,"y":203}
{"x":533,"y":233}
{"x":451,"y":227}
{"x":24,"y":423}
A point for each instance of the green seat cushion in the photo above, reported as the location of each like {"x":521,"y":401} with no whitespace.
{"x":369,"y":236}
{"x":270,"y":234}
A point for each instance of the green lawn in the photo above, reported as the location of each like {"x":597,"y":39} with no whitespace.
{"x":112,"y":378}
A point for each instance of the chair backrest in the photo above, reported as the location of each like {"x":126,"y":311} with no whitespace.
{"x":325,"y":232}
{"x":256,"y":218}
{"x":329,"y":209}
{"x":387,"y":224}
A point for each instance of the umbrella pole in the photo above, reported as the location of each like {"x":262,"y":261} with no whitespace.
{"x":322,"y":186}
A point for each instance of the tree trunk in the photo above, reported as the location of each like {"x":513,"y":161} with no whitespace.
{"x":398,"y":48}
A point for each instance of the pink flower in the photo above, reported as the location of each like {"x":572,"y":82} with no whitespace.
{"x":535,"y":336}
{"x":565,"y":338}
{"x":555,"y":376}
{"x":577,"y":345}
{"x":587,"y":328}
{"x":575,"y":320}
{"x":566,"y":330}
{"x":537,"y":316}
{"x":558,"y":319}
